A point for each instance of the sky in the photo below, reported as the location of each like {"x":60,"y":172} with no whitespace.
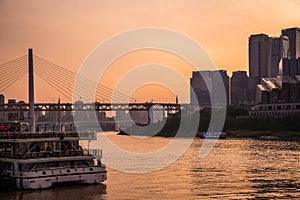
{"x":65,"y":32}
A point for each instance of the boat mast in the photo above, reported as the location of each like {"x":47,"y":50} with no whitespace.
{"x":31,"y":92}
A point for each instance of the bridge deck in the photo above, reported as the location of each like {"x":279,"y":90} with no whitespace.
{"x":89,"y":106}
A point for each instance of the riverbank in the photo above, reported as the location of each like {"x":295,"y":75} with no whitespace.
{"x":266,"y":135}
{"x":243,"y":134}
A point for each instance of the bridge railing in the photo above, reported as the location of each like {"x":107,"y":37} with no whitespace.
{"x":89,"y":106}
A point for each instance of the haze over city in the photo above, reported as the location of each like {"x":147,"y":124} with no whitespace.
{"x":66,"y":32}
{"x":174,"y":99}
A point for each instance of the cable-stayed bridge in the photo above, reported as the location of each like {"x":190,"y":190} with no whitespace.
{"x":62,"y":80}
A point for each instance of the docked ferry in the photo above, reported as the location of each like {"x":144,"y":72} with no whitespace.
{"x":39,"y":160}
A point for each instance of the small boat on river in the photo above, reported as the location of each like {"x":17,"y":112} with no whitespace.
{"x":213,"y":135}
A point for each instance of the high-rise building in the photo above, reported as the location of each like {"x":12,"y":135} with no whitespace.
{"x":258,"y":55}
{"x":2,"y":101}
{"x":266,"y":58}
{"x":225,"y":80}
{"x":200,"y":84}
{"x":265,"y":54}
{"x":279,"y":49}
{"x":290,"y":66}
{"x":294,"y":41}
{"x":204,"y":84}
{"x":239,"y":87}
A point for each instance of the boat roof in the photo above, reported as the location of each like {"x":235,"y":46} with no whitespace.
{"x":37,"y":140}
{"x":34,"y":137}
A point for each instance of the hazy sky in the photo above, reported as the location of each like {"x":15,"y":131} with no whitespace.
{"x":64,"y":32}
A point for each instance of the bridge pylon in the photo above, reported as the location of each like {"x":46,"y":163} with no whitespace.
{"x":31,"y":91}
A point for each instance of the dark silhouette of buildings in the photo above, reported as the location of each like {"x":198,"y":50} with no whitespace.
{"x":284,"y":89}
{"x":265,"y":58}
{"x":265,"y":55}
{"x":239,"y":88}
{"x":291,"y":66}
{"x":294,"y":41}
{"x":258,"y":55}
{"x":205,"y":84}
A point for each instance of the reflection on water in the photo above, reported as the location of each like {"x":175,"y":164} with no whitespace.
{"x":81,"y":192}
{"x":275,"y":169}
{"x":235,"y":169}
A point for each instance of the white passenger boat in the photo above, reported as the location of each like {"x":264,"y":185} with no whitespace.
{"x":213,"y":135}
{"x":39,"y":160}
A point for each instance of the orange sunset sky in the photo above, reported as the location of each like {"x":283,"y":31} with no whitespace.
{"x":64,"y":32}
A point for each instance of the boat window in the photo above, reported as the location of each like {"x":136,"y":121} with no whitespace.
{"x":26,"y":167}
{"x":41,"y":166}
{"x":37,"y":148}
{"x":51,"y":164}
{"x":8,"y":166}
{"x":20,"y":167}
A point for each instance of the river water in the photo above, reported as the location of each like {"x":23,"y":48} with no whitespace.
{"x":234,"y":169}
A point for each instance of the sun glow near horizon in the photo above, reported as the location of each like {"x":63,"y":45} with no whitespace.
{"x":66,"y":34}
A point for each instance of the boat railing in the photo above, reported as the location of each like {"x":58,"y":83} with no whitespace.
{"x":76,"y":167}
{"x":94,"y":152}
{"x":88,"y":135}
{"x":26,"y":135}
{"x":49,"y":154}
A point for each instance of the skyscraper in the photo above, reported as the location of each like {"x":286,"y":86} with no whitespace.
{"x":258,"y":55}
{"x":200,"y":84}
{"x":239,"y":87}
{"x":265,"y":58}
{"x":205,"y":85}
{"x":279,"y":49}
{"x":265,"y":54}
{"x":258,"y":60}
{"x":225,"y":80}
{"x":294,"y":41}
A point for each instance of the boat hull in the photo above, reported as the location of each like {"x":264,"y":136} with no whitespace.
{"x":48,"y":181}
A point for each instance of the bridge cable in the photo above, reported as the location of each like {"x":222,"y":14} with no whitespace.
{"x":87,"y":80}
{"x":9,"y":69}
{"x":66,"y":74}
{"x":13,"y":81}
{"x":54,"y":76}
{"x":12,"y":77}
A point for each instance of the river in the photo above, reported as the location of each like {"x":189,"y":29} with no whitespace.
{"x":234,"y":169}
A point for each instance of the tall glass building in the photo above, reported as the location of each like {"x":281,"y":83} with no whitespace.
{"x":294,"y":41}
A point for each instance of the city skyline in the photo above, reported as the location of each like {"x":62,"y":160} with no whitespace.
{"x":66,"y":35}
